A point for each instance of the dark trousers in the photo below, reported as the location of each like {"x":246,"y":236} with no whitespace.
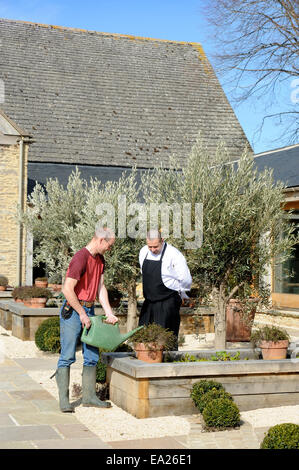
{"x":165,"y":313}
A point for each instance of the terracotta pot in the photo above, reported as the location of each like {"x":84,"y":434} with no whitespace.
{"x":38,"y":302}
{"x":18,"y":300}
{"x":277,"y":350}
{"x":41,"y":283}
{"x":154,"y":354}
{"x":27,"y":302}
{"x":2,"y":288}
{"x":238,"y":330}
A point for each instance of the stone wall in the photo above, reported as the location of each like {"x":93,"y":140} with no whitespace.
{"x":9,"y":199}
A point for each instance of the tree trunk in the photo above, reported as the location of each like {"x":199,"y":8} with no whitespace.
{"x":132,"y":307}
{"x":220,"y":320}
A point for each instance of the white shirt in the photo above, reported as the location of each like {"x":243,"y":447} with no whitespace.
{"x":175,"y":272}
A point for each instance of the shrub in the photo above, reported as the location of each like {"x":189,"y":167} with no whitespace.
{"x":282,"y":436}
{"x":201,"y":387}
{"x":101,"y":372}
{"x":47,"y":336}
{"x":154,"y":333}
{"x":3,"y":281}
{"x":212,"y":395}
{"x":221,"y":413}
{"x":268,"y":333}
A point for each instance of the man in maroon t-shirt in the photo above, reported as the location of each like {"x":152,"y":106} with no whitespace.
{"x":83,"y":284}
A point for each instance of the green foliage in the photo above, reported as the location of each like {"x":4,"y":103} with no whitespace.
{"x":101,"y":372}
{"x":52,"y":215}
{"x":212,"y":395}
{"x":244,"y":225}
{"x":28,"y":292}
{"x":47,"y":336}
{"x":155,"y":334}
{"x":221,"y":413}
{"x":282,"y":436}
{"x":200,"y":388}
{"x":268,"y":333}
{"x":219,"y":356}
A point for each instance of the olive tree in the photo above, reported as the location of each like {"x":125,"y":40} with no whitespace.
{"x":244,"y":225}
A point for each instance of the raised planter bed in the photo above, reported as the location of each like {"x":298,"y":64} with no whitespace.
{"x":150,"y":390}
{"x":23,"y":321}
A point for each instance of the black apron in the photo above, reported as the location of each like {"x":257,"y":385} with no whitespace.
{"x":161,"y":305}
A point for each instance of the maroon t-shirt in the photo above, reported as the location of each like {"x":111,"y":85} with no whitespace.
{"x":87,"y":269}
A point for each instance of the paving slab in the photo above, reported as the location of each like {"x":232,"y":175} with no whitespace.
{"x":72,"y":444}
{"x":27,"y":433}
{"x":151,"y":443}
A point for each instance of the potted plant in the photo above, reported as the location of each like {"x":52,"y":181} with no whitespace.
{"x":150,"y":342}
{"x":35,"y":297}
{"x":3,"y":283}
{"x":41,"y":282}
{"x":17,"y":294}
{"x":54,"y":282}
{"x":272,"y":340}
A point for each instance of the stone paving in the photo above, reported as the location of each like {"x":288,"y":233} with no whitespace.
{"x":30,"y":419}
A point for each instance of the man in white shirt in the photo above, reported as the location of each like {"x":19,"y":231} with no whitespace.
{"x":165,"y":279}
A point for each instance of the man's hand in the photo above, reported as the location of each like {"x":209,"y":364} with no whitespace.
{"x":110,"y":318}
{"x":85,"y":320}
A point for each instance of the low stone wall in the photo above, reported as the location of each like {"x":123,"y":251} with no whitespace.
{"x":23,"y":321}
{"x":150,"y":390}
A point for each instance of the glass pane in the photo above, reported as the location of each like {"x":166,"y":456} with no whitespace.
{"x":287,"y":274}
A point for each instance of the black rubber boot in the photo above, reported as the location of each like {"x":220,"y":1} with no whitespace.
{"x":62,"y":376}
{"x":89,"y":397}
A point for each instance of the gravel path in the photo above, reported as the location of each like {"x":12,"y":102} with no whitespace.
{"x":108,"y":424}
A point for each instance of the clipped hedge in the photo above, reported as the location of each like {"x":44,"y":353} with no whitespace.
{"x":47,"y":336}
{"x":200,"y":388}
{"x":212,"y":395}
{"x":282,"y":436}
{"x":221,"y":413}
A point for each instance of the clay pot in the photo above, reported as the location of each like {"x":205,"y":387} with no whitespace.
{"x":238,"y":330}
{"x":41,"y":283}
{"x":149,"y":352}
{"x":277,"y":350}
{"x":2,"y":288}
{"x":38,"y":302}
{"x":18,"y":300}
{"x":27,"y":302}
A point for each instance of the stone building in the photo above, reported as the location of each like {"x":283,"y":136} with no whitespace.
{"x":102,"y":102}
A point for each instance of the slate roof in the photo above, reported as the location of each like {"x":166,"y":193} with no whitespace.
{"x":284,"y":162}
{"x":108,"y":99}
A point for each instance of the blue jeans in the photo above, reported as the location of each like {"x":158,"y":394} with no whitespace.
{"x":70,"y":332}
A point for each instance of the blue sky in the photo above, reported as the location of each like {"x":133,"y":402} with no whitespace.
{"x":179,"y":20}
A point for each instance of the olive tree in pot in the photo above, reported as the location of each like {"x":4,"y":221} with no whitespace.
{"x":243,"y":224}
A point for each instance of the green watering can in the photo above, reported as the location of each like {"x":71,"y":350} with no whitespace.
{"x":104,"y":335}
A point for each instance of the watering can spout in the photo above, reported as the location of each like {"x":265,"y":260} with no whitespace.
{"x":105,"y":335}
{"x":128,"y":335}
